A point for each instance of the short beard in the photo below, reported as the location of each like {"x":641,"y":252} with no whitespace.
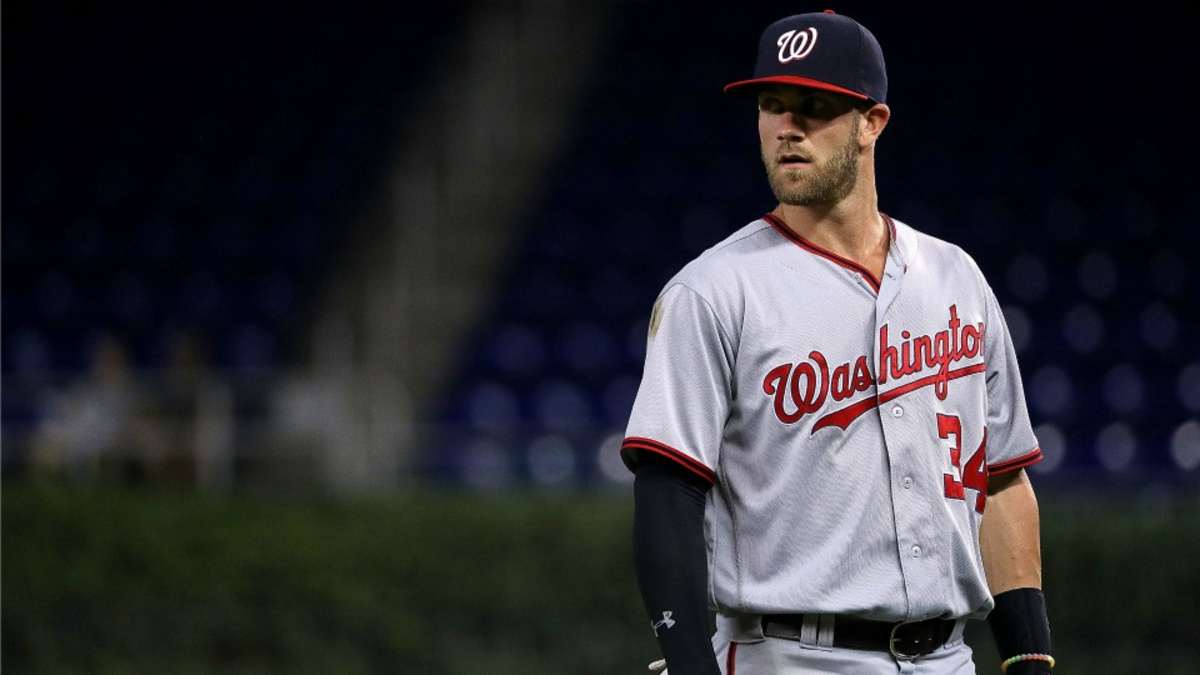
{"x":826,"y":185}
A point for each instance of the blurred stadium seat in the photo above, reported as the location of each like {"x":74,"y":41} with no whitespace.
{"x":197,"y":179}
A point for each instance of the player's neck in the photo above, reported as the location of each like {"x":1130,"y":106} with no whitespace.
{"x":852,"y":228}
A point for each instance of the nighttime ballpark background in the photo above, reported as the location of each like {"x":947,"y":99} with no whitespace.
{"x":321,"y":326}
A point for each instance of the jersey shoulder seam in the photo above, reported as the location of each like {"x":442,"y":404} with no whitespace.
{"x":955,"y":250}
{"x":708,"y":305}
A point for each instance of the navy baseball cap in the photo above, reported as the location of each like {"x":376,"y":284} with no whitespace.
{"x":821,"y":50}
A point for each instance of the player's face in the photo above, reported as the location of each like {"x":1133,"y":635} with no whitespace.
{"x":809,"y":144}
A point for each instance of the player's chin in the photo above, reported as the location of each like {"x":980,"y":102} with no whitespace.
{"x":791,"y":195}
{"x":787,"y":180}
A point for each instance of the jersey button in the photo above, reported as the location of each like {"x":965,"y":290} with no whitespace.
{"x":907,"y":482}
{"x":897,"y":411}
{"x":916,"y":550}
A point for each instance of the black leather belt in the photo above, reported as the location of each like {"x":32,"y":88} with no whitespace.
{"x":905,"y":641}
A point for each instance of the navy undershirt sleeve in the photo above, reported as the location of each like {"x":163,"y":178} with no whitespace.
{"x":671,"y":563}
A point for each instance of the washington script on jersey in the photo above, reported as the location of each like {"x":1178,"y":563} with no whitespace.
{"x":808,"y":383}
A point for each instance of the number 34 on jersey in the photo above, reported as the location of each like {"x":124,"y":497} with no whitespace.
{"x":958,"y":476}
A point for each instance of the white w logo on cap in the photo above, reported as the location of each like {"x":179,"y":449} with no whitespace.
{"x":795,"y":45}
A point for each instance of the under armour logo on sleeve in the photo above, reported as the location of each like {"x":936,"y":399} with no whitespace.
{"x":666,"y":622}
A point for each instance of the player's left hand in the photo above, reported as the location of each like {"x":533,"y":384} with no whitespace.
{"x":659,"y":667}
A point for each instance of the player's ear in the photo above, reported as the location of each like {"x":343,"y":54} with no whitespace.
{"x":875,"y":119}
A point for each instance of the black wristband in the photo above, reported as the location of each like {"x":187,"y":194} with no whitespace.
{"x":1020,"y":626}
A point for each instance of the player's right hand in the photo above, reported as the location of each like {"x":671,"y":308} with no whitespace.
{"x":659,"y":667}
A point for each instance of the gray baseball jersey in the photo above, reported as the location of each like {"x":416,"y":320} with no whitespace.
{"x":849,"y":424}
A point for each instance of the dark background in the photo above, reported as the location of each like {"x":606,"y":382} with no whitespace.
{"x":185,"y":188}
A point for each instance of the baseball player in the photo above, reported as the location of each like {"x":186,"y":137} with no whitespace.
{"x":830,"y":436}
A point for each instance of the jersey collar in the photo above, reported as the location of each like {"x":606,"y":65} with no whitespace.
{"x":895,"y":247}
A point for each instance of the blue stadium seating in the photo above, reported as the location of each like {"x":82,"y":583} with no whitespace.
{"x":185,"y":167}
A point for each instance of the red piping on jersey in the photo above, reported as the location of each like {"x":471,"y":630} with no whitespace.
{"x":891,"y":228}
{"x":786,"y":231}
{"x":1032,"y":457}
{"x":731,"y":659}
{"x":664,"y":450}
{"x":842,"y":418}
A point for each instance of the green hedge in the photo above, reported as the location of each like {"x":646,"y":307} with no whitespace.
{"x":106,"y":581}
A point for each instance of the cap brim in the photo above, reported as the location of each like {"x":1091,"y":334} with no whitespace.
{"x":743,"y":86}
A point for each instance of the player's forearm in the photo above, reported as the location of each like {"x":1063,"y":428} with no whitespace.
{"x":1011,"y":547}
{"x":1009,"y":536}
{"x":670,"y":559}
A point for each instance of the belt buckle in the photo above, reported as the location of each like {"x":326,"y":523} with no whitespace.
{"x":892,"y":639}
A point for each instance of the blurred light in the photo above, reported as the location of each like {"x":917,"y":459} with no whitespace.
{"x":587,"y":347}
{"x":305,"y":406}
{"x":562,"y":406}
{"x":1189,"y":387}
{"x":1168,"y":274}
{"x":1083,"y":328}
{"x":1098,"y":275}
{"x":486,"y":465}
{"x":1051,"y":390}
{"x":1027,"y":277}
{"x":1123,"y":389}
{"x":618,"y":399}
{"x":1020,"y":328}
{"x":1185,"y":445}
{"x":1053,"y":445}
{"x":608,"y":459}
{"x":1159,"y":326}
{"x":551,"y":460}
{"x":1116,"y":446}
{"x":493,"y":407}
{"x":518,"y":349}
